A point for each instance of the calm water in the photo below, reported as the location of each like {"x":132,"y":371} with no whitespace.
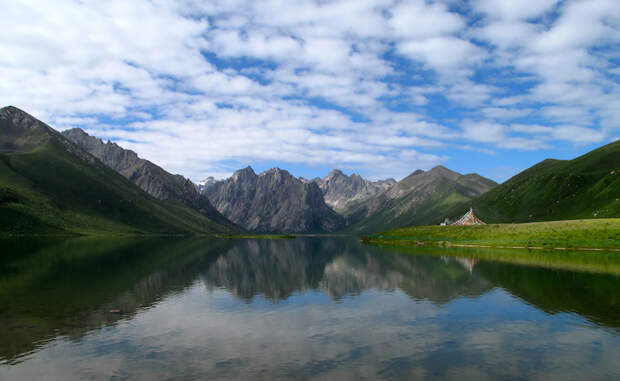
{"x":308,"y":308}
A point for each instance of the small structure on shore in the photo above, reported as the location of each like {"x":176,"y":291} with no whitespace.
{"x":469,"y":219}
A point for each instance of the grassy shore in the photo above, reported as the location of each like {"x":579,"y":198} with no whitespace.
{"x":582,"y":234}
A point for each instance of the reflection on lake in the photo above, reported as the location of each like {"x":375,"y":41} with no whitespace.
{"x":326,"y":308}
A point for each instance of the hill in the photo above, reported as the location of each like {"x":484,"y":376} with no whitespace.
{"x":585,"y":187}
{"x":422,"y":198}
{"x":49,"y":185}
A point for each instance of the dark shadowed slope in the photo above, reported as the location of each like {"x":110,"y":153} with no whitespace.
{"x":48,"y":185}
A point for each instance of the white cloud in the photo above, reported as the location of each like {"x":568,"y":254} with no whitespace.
{"x":578,"y":135}
{"x":418,"y":20}
{"x":442,"y":52}
{"x":307,"y":81}
{"x":498,"y":135}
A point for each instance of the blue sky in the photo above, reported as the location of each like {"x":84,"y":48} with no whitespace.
{"x":376,"y":87}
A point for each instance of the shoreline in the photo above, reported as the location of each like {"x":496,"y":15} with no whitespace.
{"x":448,"y":244}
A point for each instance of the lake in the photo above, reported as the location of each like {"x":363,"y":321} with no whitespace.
{"x":305,"y":308}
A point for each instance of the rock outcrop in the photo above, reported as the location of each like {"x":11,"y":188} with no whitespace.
{"x":273,"y":201}
{"x":339,"y":190}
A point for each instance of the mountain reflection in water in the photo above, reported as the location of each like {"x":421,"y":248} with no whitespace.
{"x":57,"y":292}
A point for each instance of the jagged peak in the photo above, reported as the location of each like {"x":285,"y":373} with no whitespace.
{"x":208,"y":180}
{"x":335,"y":173}
{"x":276,"y":171}
{"x":243,"y":173}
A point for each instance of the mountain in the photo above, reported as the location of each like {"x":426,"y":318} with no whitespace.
{"x":339,"y":190}
{"x":206,"y":183}
{"x":273,"y":201}
{"x":151,"y":178}
{"x":422,"y":198}
{"x":585,"y":187}
{"x":49,"y":185}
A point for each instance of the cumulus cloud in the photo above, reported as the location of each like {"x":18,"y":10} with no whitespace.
{"x":379,"y":85}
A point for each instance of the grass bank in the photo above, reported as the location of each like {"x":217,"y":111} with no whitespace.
{"x":573,"y":234}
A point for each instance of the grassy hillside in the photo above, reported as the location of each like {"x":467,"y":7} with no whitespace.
{"x":423,"y":198}
{"x":49,"y":190}
{"x":595,"y":233}
{"x":585,"y":187}
{"x":393,"y":213}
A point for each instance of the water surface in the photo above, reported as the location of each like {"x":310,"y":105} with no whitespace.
{"x":308,"y":308}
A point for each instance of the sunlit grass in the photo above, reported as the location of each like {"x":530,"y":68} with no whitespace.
{"x":599,"y":233}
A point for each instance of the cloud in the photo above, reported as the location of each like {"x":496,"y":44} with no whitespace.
{"x":202,"y":86}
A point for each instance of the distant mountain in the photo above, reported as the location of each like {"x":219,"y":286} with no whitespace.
{"x":339,"y":190}
{"x":206,"y":183}
{"x":421,"y":198}
{"x":585,"y":187}
{"x":50,"y":185}
{"x":149,"y":177}
{"x":273,"y":201}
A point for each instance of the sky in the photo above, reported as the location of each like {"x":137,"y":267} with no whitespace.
{"x":376,"y":87}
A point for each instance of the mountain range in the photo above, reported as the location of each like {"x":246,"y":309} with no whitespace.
{"x":273,"y":201}
{"x":422,"y":198}
{"x":340,"y":190}
{"x":151,"y":178}
{"x":50,"y":185}
{"x":72,"y":182}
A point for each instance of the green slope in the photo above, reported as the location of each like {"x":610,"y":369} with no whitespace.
{"x":49,"y":190}
{"x":423,"y":198}
{"x":585,"y":187}
{"x":394,"y":213}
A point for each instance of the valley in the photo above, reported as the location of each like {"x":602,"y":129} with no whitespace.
{"x":73,"y":183}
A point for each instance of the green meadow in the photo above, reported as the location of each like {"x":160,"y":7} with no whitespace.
{"x":589,"y":234}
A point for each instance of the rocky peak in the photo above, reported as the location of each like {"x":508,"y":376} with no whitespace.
{"x":334,"y":174}
{"x":273,"y":201}
{"x":207,"y":181}
{"x":339,"y":189}
{"x":244,"y":174}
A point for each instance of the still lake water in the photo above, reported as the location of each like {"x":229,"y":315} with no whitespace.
{"x":307,"y":308}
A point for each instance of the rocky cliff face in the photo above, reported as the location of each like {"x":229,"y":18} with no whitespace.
{"x":273,"y":201}
{"x":149,"y":177}
{"x":339,"y":189}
